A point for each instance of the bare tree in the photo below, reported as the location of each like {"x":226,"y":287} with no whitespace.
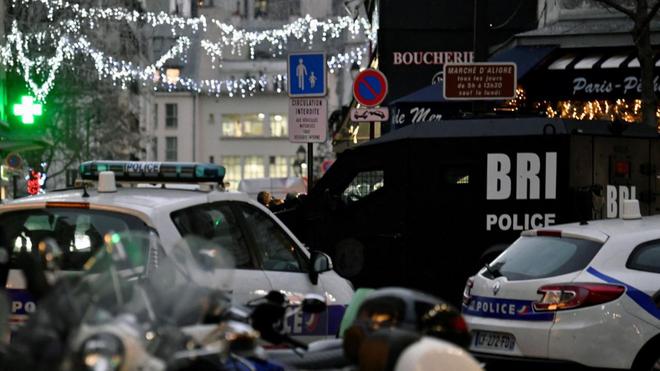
{"x":87,"y":118}
{"x":642,"y":13}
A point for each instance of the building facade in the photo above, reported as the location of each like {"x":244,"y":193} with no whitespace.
{"x":246,"y":134}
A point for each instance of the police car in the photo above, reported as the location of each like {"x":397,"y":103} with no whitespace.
{"x":267,"y":255}
{"x":577,"y":293}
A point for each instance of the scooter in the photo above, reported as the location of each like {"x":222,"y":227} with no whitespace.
{"x":393,"y":329}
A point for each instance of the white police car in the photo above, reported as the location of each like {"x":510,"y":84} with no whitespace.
{"x":268,"y":256}
{"x":586,"y":294}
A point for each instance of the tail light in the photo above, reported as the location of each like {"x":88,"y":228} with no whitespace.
{"x":572,"y":296}
{"x":467,"y":297}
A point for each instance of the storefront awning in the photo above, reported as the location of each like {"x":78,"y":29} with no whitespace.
{"x":588,"y":74}
{"x":429,"y":104}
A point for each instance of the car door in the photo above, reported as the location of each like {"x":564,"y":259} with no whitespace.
{"x":642,"y":280}
{"x":286,"y":266}
{"x":218,"y":223}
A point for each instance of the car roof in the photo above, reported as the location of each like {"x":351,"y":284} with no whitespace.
{"x":143,"y":200}
{"x":648,"y":225}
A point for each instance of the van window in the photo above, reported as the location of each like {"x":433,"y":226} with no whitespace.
{"x":78,"y":232}
{"x":542,"y":257}
{"x":364,"y":183}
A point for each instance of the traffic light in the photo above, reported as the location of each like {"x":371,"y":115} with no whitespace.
{"x":27,"y":109}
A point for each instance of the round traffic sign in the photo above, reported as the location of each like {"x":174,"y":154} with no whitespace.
{"x":370,"y":87}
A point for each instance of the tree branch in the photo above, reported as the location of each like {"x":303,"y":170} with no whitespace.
{"x":614,"y":5}
{"x":652,"y":13}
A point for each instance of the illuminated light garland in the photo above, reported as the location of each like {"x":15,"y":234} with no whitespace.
{"x":123,"y":72}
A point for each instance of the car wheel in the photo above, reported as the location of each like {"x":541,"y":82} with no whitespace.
{"x":648,"y":360}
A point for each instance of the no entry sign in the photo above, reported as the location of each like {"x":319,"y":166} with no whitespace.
{"x":370,"y":87}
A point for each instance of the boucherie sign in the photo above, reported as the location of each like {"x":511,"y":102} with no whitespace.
{"x":431,"y":58}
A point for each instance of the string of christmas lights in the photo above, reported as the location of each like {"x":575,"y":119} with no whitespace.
{"x":65,"y":36}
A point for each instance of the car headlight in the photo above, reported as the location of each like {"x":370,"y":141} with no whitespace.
{"x":102,"y":352}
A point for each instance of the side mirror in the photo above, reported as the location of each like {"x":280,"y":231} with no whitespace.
{"x":320,"y":262}
{"x":313,"y":303}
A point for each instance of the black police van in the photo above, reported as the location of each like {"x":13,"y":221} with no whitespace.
{"x":427,"y":205}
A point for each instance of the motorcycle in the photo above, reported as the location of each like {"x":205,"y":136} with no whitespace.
{"x":134,"y":308}
{"x":393,"y":329}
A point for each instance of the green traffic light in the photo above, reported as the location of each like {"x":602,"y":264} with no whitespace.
{"x":27,"y":109}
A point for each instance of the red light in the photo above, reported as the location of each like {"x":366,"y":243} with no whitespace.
{"x":622,"y":168}
{"x":549,"y":233}
{"x":572,"y":296}
{"x":458,"y":324}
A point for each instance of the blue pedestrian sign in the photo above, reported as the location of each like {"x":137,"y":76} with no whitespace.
{"x":307,"y":74}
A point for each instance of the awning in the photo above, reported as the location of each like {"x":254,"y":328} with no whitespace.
{"x":587,"y":74}
{"x":429,"y":104}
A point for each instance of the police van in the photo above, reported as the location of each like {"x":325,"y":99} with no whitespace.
{"x":173,"y":200}
{"x":425,"y":205}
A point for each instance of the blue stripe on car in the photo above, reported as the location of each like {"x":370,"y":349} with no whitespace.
{"x":521,"y":310}
{"x":638,"y":296}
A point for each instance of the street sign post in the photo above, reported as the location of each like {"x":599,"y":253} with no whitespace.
{"x":307,"y":74}
{"x":370,"y":87}
{"x":479,"y":81}
{"x":308,"y":114}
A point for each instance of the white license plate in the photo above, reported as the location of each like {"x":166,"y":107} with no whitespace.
{"x":493,"y":340}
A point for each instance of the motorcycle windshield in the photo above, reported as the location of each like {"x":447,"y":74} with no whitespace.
{"x":133,"y":273}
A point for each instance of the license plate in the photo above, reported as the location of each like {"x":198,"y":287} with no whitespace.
{"x":493,"y":340}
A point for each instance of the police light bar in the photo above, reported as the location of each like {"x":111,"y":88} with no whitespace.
{"x":157,"y":172}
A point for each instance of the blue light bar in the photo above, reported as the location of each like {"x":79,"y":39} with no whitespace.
{"x":157,"y":172}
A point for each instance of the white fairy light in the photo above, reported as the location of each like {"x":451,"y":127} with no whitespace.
{"x":65,"y":35}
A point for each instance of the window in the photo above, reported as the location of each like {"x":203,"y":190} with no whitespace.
{"x":278,"y":166}
{"x":231,"y":125}
{"x":279,"y":126}
{"x":216,"y":223}
{"x":253,"y":125}
{"x":171,"y":149}
{"x":260,"y":8}
{"x":171,"y":116}
{"x":254,"y":167}
{"x":542,"y":257}
{"x":233,"y":173}
{"x":156,"y":116}
{"x":363,"y":184}
{"x":274,"y":248}
{"x":246,"y":125}
{"x":646,"y":257}
{"x":79,"y":233}
{"x":154,"y":148}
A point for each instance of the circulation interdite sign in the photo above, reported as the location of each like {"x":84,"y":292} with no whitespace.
{"x":479,"y":81}
{"x":308,"y":120}
{"x":308,"y":107}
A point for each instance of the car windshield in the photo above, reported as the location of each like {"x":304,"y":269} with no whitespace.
{"x":78,"y":232}
{"x":542,"y":257}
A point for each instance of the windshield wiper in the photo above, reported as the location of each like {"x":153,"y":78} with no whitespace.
{"x":494,"y":271}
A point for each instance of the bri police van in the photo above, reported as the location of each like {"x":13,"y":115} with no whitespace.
{"x":425,"y":205}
